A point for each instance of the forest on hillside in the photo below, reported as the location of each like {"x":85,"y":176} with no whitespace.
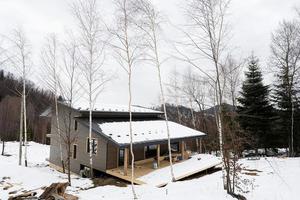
{"x":38,"y":100}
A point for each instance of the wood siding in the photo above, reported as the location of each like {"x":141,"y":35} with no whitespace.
{"x":81,"y":135}
{"x":112,"y":156}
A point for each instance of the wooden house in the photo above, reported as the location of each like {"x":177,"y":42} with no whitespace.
{"x":111,"y":138}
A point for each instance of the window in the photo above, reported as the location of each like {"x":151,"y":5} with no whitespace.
{"x":75,"y":125}
{"x":150,"y":151}
{"x":175,"y":147}
{"x":74,"y":151}
{"x":94,"y":145}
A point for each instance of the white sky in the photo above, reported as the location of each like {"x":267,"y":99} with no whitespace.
{"x":252,"y":22}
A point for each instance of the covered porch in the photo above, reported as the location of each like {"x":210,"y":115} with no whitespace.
{"x":160,"y":176}
{"x":150,"y":166}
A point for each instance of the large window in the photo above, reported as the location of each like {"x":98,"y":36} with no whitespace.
{"x":94,"y":145}
{"x":75,"y":125}
{"x":74,"y":151}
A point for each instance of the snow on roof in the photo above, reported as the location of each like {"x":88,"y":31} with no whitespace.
{"x":146,"y":131}
{"x":84,"y":106}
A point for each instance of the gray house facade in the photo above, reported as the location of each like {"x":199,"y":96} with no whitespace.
{"x":110,"y":137}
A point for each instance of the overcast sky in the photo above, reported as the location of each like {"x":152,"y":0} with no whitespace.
{"x":252,"y":22}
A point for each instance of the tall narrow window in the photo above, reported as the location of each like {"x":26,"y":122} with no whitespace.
{"x":74,"y":151}
{"x":94,"y":145}
{"x":121,"y":157}
{"x":75,"y":125}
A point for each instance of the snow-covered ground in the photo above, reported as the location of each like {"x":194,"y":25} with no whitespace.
{"x":36,"y":175}
{"x":276,"y":179}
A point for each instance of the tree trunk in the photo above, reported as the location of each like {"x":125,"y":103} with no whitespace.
{"x":292,"y":130}
{"x":90,"y":130}
{"x":130,"y":130}
{"x":69,"y":165}
{"x":58,"y":129}
{"x":3,"y":147}
{"x":25,"y":117}
{"x":21,"y":134}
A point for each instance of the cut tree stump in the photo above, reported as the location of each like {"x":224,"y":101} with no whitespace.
{"x":56,"y":191}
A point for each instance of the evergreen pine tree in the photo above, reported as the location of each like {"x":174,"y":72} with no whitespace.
{"x":285,"y":97}
{"x":255,"y":110}
{"x":285,"y":59}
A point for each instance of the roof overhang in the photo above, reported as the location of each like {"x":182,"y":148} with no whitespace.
{"x":96,"y":129}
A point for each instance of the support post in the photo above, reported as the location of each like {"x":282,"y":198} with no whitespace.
{"x":200,"y":145}
{"x":126,"y":161}
{"x":197,"y":145}
{"x":182,"y":150}
{"x":158,"y":155}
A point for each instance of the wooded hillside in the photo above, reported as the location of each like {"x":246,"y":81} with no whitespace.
{"x":37,"y":101}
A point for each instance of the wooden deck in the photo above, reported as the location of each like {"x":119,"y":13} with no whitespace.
{"x":142,"y":168}
{"x":145,"y":174}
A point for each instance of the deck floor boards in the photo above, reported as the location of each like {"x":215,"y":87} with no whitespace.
{"x":145,"y":174}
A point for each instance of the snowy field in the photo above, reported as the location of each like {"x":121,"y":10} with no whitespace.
{"x":275,"y":179}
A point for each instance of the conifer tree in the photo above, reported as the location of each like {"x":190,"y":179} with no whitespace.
{"x":285,"y":58}
{"x":255,"y":110}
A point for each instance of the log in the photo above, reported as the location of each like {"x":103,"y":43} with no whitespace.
{"x":27,"y":195}
{"x":56,"y":191}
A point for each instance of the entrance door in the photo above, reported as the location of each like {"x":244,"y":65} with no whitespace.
{"x":121,"y":157}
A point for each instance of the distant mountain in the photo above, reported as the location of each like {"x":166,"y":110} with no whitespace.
{"x":211,"y":110}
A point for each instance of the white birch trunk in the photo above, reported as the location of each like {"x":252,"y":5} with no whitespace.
{"x":90,"y":129}
{"x":21,"y":132}
{"x":165,"y":113}
{"x":220,"y":131}
{"x":192,"y":113}
{"x":130,"y":131}
{"x":58,"y":131}
{"x":24,"y":112}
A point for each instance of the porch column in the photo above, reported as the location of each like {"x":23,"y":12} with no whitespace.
{"x":125,"y":161}
{"x":197,"y":144}
{"x":200,"y":145}
{"x":158,"y":155}
{"x":182,"y":150}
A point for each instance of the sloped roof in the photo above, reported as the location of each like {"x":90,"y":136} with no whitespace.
{"x":145,"y":131}
{"x":99,"y":107}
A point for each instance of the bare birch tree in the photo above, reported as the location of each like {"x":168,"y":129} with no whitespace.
{"x":206,"y":36}
{"x":232,"y":70}
{"x":150,"y":23}
{"x":92,"y":46}
{"x":126,"y":43}
{"x":173,"y":89}
{"x":20,"y":58}
{"x":69,"y":88}
{"x":50,"y":63}
{"x":195,"y":89}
